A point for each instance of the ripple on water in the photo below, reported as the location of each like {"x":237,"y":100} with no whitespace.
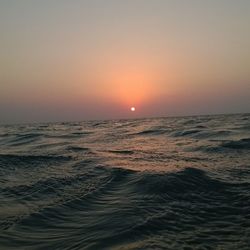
{"x":71,"y":185}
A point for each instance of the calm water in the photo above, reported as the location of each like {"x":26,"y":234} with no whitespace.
{"x":166,"y":183}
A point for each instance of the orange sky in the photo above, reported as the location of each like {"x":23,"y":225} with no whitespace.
{"x":95,"y":59}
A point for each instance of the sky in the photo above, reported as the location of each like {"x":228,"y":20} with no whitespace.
{"x":78,"y":60}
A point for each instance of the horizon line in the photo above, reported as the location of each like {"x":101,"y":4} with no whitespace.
{"x":116,"y":119}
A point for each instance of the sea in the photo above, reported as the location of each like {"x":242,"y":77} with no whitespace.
{"x":161,"y":183}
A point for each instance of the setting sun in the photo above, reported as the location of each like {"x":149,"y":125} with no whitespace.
{"x":132,"y":109}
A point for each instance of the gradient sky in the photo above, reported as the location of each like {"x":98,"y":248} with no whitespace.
{"x":77,"y":60}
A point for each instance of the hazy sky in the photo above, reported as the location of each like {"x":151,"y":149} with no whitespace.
{"x":78,"y":60}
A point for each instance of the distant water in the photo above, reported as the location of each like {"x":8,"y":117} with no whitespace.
{"x":166,"y":183}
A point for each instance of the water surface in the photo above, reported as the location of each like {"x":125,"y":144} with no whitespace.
{"x":165,"y":183}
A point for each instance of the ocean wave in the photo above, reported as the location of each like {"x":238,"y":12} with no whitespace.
{"x":70,"y":185}
{"x":129,"y":152}
{"x":77,"y":149}
{"x":186,"y":132}
{"x":21,"y":139}
{"x":26,"y":158}
{"x":240,"y":144}
{"x":152,"y":132}
{"x":153,"y":205}
{"x":68,"y":135}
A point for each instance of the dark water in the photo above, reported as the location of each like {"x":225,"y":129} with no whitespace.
{"x":166,"y":183}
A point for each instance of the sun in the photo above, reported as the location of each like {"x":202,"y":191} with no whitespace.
{"x":132,"y":109}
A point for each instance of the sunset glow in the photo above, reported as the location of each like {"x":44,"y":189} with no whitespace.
{"x":97,"y":59}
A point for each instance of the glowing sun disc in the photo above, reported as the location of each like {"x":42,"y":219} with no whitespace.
{"x":132,"y":109}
